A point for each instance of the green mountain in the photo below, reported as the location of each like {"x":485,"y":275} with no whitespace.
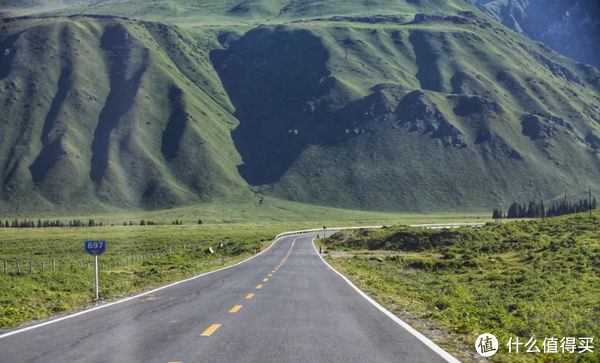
{"x":391,"y":105}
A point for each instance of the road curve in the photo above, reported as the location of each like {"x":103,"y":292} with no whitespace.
{"x":285,"y":305}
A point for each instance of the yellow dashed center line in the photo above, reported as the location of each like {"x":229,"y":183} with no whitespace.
{"x":282,"y":261}
{"x":213,"y":328}
{"x":208,"y":332}
{"x":235,"y":309}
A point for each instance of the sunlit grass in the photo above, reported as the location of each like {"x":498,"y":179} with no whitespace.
{"x":533,"y":278}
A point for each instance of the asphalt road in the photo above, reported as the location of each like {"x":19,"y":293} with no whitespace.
{"x":285,"y":305}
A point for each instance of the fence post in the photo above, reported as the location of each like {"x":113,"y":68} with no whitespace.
{"x":5,"y":270}
{"x":18,"y":268}
{"x":88,"y":265}
{"x":53,"y":265}
{"x":29,"y":266}
{"x":42,"y":265}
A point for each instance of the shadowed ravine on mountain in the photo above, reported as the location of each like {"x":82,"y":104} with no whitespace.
{"x":173,"y":133}
{"x":429,"y":74}
{"x":52,"y":149}
{"x":271,"y":77}
{"x":118,"y":46}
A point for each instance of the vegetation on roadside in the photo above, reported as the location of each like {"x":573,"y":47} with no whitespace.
{"x":137,"y":258}
{"x":141,"y":256}
{"x":523,"y":279}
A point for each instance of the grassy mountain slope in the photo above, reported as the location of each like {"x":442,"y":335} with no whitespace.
{"x":104,"y":111}
{"x":435,"y":111}
{"x":410,"y":105}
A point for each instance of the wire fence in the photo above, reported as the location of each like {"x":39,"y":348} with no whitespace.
{"x":29,"y":266}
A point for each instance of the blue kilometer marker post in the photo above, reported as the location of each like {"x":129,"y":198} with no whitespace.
{"x":95,"y":248}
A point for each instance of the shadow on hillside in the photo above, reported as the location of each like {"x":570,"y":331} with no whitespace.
{"x":429,"y":74}
{"x":274,"y":78}
{"x":52,"y":142}
{"x":118,"y":46}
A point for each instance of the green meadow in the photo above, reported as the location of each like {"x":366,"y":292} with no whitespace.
{"x":140,"y":257}
{"x":137,"y":258}
{"x":538,"y":278}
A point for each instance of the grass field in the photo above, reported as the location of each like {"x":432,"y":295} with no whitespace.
{"x":262,"y":209}
{"x":524,"y":279}
{"x":139,"y":257}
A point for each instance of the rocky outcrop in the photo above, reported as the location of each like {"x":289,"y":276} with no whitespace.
{"x":497,"y":145}
{"x":471,"y":105}
{"x":420,"y":115}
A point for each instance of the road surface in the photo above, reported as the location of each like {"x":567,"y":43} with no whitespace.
{"x":285,"y":305}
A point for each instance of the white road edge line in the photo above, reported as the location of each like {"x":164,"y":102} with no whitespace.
{"x":22,"y":330}
{"x":442,"y":353}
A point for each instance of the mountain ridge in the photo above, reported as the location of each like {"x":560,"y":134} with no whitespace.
{"x":371,"y":111}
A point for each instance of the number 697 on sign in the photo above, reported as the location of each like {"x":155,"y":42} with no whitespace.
{"x":95,"y":248}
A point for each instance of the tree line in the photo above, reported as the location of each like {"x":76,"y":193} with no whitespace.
{"x":537,"y":209}
{"x":30,"y":223}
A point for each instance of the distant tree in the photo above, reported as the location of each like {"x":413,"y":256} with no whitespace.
{"x":496,"y":214}
{"x":513,"y":211}
{"x":538,"y":210}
